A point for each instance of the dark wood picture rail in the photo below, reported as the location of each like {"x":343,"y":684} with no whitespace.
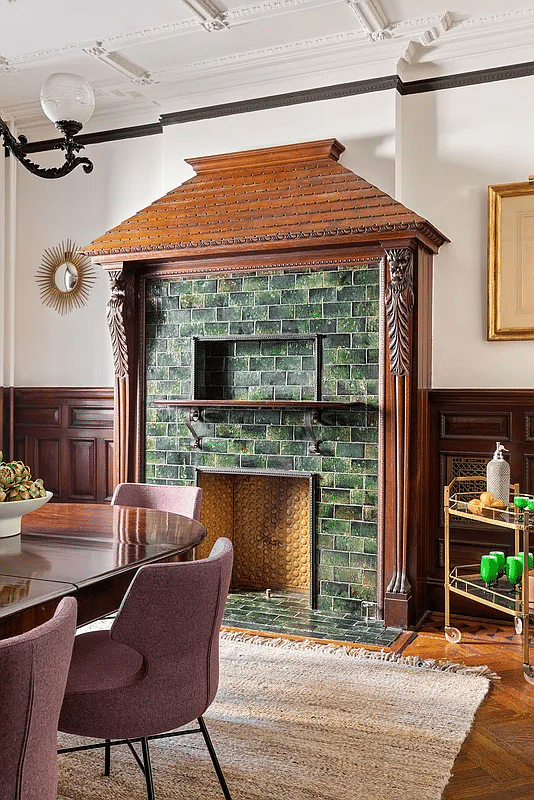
{"x":196,"y":229}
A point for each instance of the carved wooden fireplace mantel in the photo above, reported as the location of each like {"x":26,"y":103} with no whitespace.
{"x":285,"y":208}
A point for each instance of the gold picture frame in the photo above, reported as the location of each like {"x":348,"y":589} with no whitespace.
{"x":65,"y":277}
{"x":511,"y":261}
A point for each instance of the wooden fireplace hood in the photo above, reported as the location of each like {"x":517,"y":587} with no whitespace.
{"x":281,"y":208}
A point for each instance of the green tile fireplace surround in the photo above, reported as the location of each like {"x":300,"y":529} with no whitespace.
{"x":333,"y":310}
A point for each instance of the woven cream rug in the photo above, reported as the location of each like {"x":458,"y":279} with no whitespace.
{"x":296,"y":722}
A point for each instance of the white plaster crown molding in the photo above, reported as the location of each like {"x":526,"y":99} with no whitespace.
{"x":208,"y":13}
{"x":117,"y":61}
{"x":371,"y":18}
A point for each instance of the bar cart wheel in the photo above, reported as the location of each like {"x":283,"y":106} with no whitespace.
{"x":528,"y":673}
{"x":452,"y":635}
{"x":518,"y":625}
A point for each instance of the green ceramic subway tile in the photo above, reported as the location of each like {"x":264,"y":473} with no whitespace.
{"x":174,"y":457}
{"x":364,"y":561}
{"x":241,"y":299}
{"x":215,"y":329}
{"x":352,"y":450}
{"x":214,"y":445}
{"x":267,"y":327}
{"x":348,"y":480}
{"x":353,"y":544}
{"x":325,"y":573}
{"x":373,"y":292}
{"x":279,"y":432}
{"x":280,"y":462}
{"x":273,"y":378}
{"x":346,"y":606}
{"x":335,"y":528}
{"x":267,"y":416}
{"x":263,"y":363}
{"x":282,"y":281}
{"x":231,"y":314}
{"x":365,"y":275}
{"x":337,"y":277}
{"x":293,"y":448}
{"x":253,"y":313}
{"x":215,"y":300}
{"x":175,"y":287}
{"x":370,"y":546}
{"x":242,"y":328}
{"x":294,"y":297}
{"x":261,"y":393}
{"x":150,"y":471}
{"x":337,"y":309}
{"x":255,"y":283}
{"x":351,"y":325}
{"x":284,"y":363}
{"x":194,"y":329}
{"x":324,"y":603}
{"x":226,"y":461}
{"x":335,"y":465}
{"x":309,"y":279}
{"x":370,"y":513}
{"x":325,"y":541}
{"x":363,"y":309}
{"x":239,"y":446}
{"x":345,"y":574}
{"x":364,"y":594}
{"x":309,"y":311}
{"x":205,"y":286}
{"x":165,"y":471}
{"x":226,"y":285}
{"x":228,"y":431}
{"x":254,"y":462}
{"x":192,"y":301}
{"x":252,"y":432}
{"x":323,"y":325}
{"x":335,"y":496}
{"x":310,"y":463}
{"x":352,"y":294}
{"x":154,"y":429}
{"x":265,"y":447}
{"x":266,"y":298}
{"x":282,"y":313}
{"x":236,"y":364}
{"x":203,"y":315}
{"x":295,"y":326}
{"x":168,"y":331}
{"x":352,"y":512}
{"x":334,"y":589}
{"x":334,"y":558}
{"x":372,"y":324}
{"x":178,"y":316}
{"x":156,"y":457}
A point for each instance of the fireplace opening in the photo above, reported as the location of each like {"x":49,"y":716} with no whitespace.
{"x":269,"y":518}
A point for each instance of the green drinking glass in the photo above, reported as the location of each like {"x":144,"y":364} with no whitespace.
{"x":530,"y":504}
{"x":501,"y":560}
{"x":521,"y":502}
{"x":489,"y":568}
{"x":530,"y":559}
{"x":514,"y":569}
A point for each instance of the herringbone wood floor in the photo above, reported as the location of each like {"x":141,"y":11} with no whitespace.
{"x":497,"y":759}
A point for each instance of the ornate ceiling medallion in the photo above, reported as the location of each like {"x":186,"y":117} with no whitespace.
{"x":65,"y":277}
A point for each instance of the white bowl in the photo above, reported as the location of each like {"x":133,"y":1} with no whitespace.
{"x":12,"y":511}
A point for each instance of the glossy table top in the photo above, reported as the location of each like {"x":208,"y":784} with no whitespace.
{"x":64,"y":547}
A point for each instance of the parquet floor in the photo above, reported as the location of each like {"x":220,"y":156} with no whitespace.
{"x":497,"y":759}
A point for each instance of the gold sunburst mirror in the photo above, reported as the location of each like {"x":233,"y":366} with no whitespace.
{"x":65,"y":277}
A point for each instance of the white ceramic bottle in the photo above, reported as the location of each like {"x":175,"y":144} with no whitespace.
{"x":498,"y":475}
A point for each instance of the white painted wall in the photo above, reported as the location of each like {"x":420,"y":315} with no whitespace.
{"x":74,"y":349}
{"x":454,"y":144}
{"x":435,"y":152}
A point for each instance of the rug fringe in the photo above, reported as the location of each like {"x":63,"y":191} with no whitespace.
{"x":361,"y":654}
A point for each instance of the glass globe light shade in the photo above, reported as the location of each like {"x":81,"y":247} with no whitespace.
{"x":67,"y":97}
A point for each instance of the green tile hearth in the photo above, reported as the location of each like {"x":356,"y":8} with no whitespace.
{"x":288,"y":613}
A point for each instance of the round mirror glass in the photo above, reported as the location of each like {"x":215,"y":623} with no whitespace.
{"x":66,"y":276}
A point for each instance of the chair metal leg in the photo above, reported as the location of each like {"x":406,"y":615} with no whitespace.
{"x":214,"y":759}
{"x":148,"y":769}
{"x":107,"y":757}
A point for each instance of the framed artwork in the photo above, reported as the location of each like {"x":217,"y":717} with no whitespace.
{"x":511,"y":261}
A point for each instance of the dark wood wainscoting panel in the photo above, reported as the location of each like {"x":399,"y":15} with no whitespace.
{"x":66,"y":437}
{"x":465,"y":425}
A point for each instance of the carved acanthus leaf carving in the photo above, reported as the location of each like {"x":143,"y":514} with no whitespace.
{"x":399,"y":300}
{"x":115,"y":318}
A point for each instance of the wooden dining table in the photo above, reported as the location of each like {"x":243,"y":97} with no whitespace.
{"x":88,"y":551}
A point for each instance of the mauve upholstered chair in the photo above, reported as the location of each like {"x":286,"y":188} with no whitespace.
{"x":183,"y":500}
{"x":157,"y":667}
{"x":33,"y":674}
